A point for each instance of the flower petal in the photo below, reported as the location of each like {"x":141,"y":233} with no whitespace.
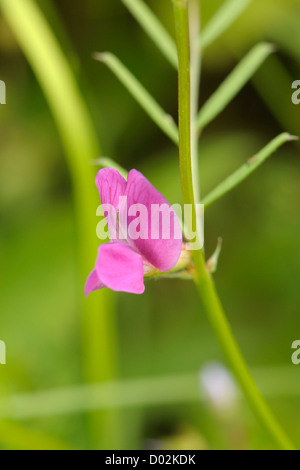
{"x":161,"y":245}
{"x":111,"y":186}
{"x":120,"y":268}
{"x":93,"y":283}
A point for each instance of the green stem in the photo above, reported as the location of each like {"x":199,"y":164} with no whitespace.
{"x":235,"y":359}
{"x":194,"y":20}
{"x":203,"y":280}
{"x":184,"y":92}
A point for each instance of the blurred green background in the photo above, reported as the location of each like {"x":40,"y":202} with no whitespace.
{"x":163,"y":333}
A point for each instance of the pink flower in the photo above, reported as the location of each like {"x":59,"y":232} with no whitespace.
{"x":122,"y":263}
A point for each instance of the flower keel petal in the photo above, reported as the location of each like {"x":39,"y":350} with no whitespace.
{"x":120,"y":268}
{"x":93,"y":283}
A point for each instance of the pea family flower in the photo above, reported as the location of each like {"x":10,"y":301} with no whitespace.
{"x":138,"y":244}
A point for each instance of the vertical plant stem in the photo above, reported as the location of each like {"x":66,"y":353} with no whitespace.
{"x":81,"y":147}
{"x":204,"y":282}
{"x":184,"y":97}
{"x":196,"y":59}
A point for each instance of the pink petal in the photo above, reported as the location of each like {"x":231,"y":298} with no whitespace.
{"x":111,"y":186}
{"x":120,"y":268}
{"x":161,"y":252}
{"x":93,"y":283}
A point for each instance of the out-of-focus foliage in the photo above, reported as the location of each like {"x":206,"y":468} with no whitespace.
{"x":164,"y":331}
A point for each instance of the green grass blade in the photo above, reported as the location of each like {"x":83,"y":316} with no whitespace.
{"x":77,"y":134}
{"x":14,"y":436}
{"x":163,"y":120}
{"x":134,"y":393}
{"x":222,"y":20}
{"x":274,"y":381}
{"x":242,"y":173}
{"x":233,"y":84}
{"x":153,"y":27}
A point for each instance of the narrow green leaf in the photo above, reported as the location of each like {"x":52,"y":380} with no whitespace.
{"x":153,"y":27}
{"x":222,"y":20}
{"x":233,"y":84}
{"x":242,"y":173}
{"x":163,"y":120}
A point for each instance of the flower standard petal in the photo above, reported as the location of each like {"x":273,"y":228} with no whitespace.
{"x":111,"y":186}
{"x":120,"y":268}
{"x":160,"y":239}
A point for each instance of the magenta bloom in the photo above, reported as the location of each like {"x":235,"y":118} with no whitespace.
{"x":122,"y":263}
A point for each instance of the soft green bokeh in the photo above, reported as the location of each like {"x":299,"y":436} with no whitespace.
{"x":164,"y":332}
